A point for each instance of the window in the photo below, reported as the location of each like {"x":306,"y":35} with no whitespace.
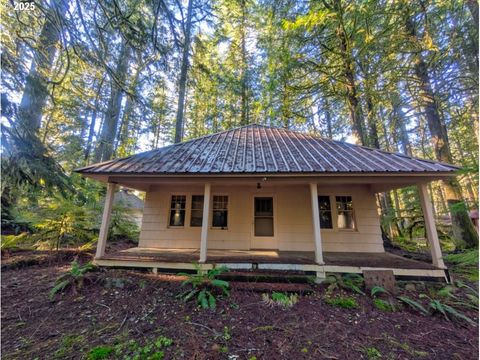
{"x":177,"y":210}
{"x":220,"y":211}
{"x":197,"y":210}
{"x":325,"y":211}
{"x":345,"y":219}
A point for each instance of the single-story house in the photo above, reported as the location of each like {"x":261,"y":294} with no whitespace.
{"x":267,"y":198}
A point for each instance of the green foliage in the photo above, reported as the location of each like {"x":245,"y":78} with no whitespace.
{"x":372,"y":353}
{"x":383,"y":305}
{"x":129,"y":350}
{"x":68,"y":343}
{"x":282,"y":299}
{"x":352,"y":282}
{"x":436,"y":306}
{"x":413,"y":304}
{"x":377,"y":290}
{"x":73,"y":279}
{"x":100,"y":353}
{"x":465,"y":264}
{"x":204,"y":284}
{"x":342,"y":302}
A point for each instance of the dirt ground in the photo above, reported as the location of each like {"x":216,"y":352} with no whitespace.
{"x":131,"y":307}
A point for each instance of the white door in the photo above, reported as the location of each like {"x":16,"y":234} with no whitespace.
{"x":263,"y":236}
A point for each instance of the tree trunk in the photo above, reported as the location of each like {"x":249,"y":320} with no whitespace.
{"x":182,"y":83}
{"x":35,"y":94}
{"x":110,"y":122}
{"x":91,"y":130}
{"x":328,"y":117}
{"x":354,"y":107}
{"x":463,"y":228}
{"x":244,"y":68}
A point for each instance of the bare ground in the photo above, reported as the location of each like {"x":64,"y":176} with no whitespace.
{"x":120,"y":306}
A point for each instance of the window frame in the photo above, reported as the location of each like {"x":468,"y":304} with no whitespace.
{"x":212,"y":211}
{"x":171,"y":195}
{"x":192,"y":209}
{"x":354,"y":218}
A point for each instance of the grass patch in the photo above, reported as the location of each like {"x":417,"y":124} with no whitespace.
{"x":342,"y":302}
{"x":68,"y":343}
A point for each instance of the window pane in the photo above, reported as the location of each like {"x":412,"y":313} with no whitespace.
{"x":197,"y":201}
{"x":219,"y":218}
{"x":177,"y":217}
{"x":264,"y":206}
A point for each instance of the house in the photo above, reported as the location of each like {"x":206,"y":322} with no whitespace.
{"x":267,"y":198}
{"x":130,"y":203}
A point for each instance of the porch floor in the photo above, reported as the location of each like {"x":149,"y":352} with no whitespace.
{"x":364,"y":260}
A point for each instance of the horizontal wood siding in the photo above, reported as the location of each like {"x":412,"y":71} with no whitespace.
{"x":293,"y":219}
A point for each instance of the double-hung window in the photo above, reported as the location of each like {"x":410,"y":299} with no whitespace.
{"x":196,"y":216}
{"x":177,"y":210}
{"x":345,"y":216}
{"x":325,"y":212}
{"x":220,"y":211}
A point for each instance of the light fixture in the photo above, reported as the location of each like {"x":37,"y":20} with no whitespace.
{"x":259,"y":186}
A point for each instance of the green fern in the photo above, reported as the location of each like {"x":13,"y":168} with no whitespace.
{"x":203,"y":284}
{"x":413,"y":304}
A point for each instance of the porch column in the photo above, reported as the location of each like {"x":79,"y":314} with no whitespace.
{"x":432,"y":235}
{"x":205,"y":222}
{"x":107,"y":213}
{"x":316,"y":224}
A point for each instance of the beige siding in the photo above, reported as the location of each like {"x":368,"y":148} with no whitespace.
{"x":293,"y":220}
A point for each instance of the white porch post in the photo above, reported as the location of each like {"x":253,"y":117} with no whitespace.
{"x":107,"y":213}
{"x":205,"y":222}
{"x":316,"y":224}
{"x":432,"y":235}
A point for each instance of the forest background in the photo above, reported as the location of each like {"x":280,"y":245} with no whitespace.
{"x":85,"y":81}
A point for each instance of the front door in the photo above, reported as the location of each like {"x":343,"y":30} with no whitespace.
{"x":263,"y":223}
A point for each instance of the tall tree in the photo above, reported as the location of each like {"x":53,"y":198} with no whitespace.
{"x":463,"y":228}
{"x":182,"y":82}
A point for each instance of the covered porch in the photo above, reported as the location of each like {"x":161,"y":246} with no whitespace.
{"x":334,"y":262}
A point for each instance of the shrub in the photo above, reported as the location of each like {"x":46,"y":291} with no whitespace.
{"x":281,"y":299}
{"x":204,"y":285}
{"x":343,"y":302}
{"x":74,"y":278}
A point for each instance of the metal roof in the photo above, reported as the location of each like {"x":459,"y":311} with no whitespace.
{"x":259,"y":149}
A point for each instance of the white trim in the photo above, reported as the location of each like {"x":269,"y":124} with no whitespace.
{"x":205,"y":221}
{"x":317,"y":234}
{"x":106,"y":217}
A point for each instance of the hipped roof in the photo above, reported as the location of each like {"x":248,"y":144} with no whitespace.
{"x":258,"y":149}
